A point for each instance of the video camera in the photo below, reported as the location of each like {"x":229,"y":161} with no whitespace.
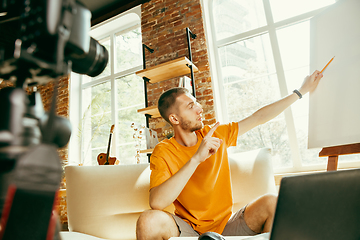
{"x":40,"y":41}
{"x":52,"y":38}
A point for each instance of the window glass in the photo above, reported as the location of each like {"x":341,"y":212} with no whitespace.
{"x":232,"y":17}
{"x":114,"y":96}
{"x":272,"y":134}
{"x":130,"y":92}
{"x":130,"y":98}
{"x":128,"y":50}
{"x":283,"y":9}
{"x":349,"y":158}
{"x":249,"y":83}
{"x":249,"y":79}
{"x":243,"y":99}
{"x":294,"y":43}
{"x":96,"y":121}
{"x":246,"y":59}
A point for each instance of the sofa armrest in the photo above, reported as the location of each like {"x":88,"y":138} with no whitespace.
{"x":251,"y":175}
{"x":106,"y":201}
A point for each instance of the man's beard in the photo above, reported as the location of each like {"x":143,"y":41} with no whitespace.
{"x":186,"y":125}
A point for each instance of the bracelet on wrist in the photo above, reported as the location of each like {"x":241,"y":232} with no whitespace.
{"x":298,"y":93}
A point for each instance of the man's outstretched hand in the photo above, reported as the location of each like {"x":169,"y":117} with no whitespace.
{"x":310,"y":82}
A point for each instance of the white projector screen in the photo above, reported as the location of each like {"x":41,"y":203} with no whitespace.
{"x":334,"y":111}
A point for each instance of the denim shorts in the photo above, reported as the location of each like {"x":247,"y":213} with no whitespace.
{"x":236,"y":226}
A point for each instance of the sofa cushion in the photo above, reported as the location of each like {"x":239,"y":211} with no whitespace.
{"x":251,"y":176}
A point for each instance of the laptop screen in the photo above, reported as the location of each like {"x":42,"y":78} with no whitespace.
{"x":318,"y":206}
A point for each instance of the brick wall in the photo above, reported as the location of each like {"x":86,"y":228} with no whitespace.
{"x":163,"y":26}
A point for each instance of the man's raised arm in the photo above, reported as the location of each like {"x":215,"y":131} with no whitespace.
{"x":272,"y":110}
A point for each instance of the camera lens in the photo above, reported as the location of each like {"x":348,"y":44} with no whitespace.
{"x":92,"y":63}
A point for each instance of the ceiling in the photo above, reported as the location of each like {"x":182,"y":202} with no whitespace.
{"x":96,"y":5}
{"x":101,"y":10}
{"x":104,"y":9}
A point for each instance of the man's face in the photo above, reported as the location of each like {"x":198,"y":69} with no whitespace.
{"x":189,"y":113}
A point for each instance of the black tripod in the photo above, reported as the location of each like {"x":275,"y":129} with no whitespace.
{"x":30,"y":166}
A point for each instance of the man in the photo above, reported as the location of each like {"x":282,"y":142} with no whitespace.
{"x":191,"y":170}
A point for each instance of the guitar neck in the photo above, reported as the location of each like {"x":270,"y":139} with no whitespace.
{"x":108,"y":149}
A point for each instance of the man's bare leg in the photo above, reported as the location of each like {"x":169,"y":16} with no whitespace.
{"x":156,"y":225}
{"x":259,"y":214}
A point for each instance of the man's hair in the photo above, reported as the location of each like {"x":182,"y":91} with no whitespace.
{"x":168,"y":99}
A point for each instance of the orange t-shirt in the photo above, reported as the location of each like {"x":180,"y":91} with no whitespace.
{"x":206,"y":200}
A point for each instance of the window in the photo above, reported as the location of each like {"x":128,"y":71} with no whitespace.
{"x":260,"y":52}
{"x":113,"y":97}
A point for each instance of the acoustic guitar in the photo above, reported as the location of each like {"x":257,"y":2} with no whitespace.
{"x":103,"y":158}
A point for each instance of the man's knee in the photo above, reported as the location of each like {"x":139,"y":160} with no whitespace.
{"x":149,"y":219}
{"x":269,"y":201}
{"x":144,"y":220}
{"x":155,"y":223}
{"x":259,"y":213}
{"x":149,"y":215}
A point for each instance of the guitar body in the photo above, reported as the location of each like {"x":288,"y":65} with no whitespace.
{"x":101,"y":158}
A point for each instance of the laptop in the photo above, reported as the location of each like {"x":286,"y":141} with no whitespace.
{"x":318,"y":206}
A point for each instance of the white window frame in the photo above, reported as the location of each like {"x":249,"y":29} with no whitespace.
{"x":216,"y":75}
{"x":126,"y":21}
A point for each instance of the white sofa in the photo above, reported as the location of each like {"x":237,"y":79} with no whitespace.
{"x":104,"y":202}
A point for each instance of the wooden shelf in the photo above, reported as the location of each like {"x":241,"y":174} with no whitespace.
{"x":167,"y":70}
{"x":153,"y":111}
{"x":147,"y":150}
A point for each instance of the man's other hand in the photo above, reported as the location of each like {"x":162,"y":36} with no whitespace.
{"x":208,"y":146}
